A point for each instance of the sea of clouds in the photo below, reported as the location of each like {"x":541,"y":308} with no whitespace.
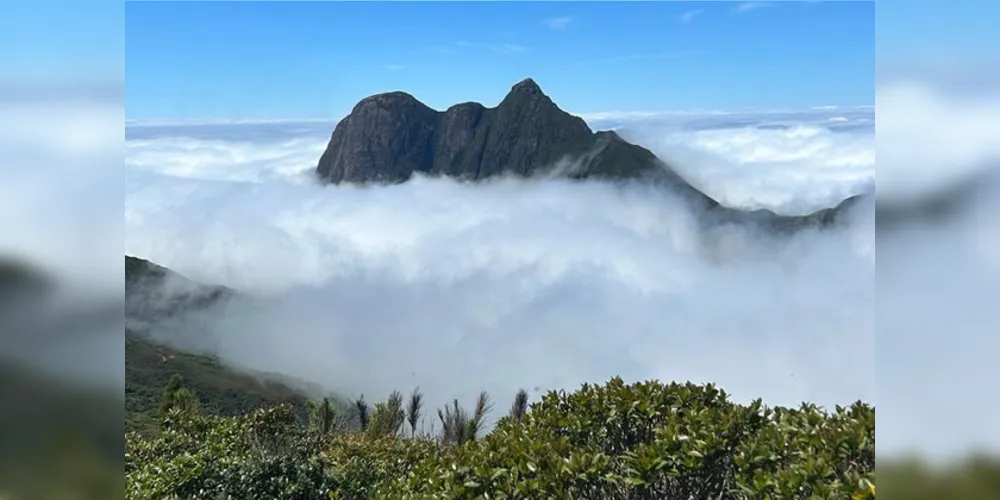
{"x":546,"y":284}
{"x":60,"y":187}
{"x":541,"y":284}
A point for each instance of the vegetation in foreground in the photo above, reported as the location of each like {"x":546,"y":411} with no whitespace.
{"x":215,"y":433}
{"x":155,"y":294}
{"x":614,"y":441}
{"x":225,"y":434}
{"x":224,"y":391}
{"x":57,"y":439}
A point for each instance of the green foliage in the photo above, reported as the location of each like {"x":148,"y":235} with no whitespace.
{"x":265,"y":454}
{"x":459,"y":426}
{"x":323,"y":417}
{"x":414,"y":410}
{"x":519,"y":407}
{"x":616,"y":441}
{"x":388,"y":418}
{"x":153,"y":294}
{"x":167,"y":398}
{"x":976,"y":477}
{"x":220,"y":390}
{"x":651,"y":440}
{"x":58,"y":439}
{"x":361,"y":406}
{"x":179,"y":398}
{"x":262,"y":455}
{"x":362,"y":466}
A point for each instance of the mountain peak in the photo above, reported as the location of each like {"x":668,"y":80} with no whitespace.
{"x":391,"y":99}
{"x":526,"y":86}
{"x":389,"y":137}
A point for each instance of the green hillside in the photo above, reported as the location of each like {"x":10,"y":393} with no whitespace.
{"x":220,"y":390}
{"x":149,"y":364}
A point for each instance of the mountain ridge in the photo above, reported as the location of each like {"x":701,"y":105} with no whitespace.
{"x":157,"y":299}
{"x":389,"y":137}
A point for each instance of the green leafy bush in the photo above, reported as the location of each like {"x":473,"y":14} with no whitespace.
{"x":651,"y":440}
{"x":265,"y":454}
{"x":616,"y":441}
{"x":973,"y":477}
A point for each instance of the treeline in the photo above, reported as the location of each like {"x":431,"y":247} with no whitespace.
{"x":613,"y":441}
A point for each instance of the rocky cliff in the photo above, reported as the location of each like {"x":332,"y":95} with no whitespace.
{"x":389,"y":137}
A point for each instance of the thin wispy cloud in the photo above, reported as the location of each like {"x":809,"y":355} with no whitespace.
{"x":650,"y":56}
{"x":465,"y":45}
{"x":508,"y":48}
{"x":134,"y":123}
{"x":751,"y":6}
{"x":442,"y":49}
{"x":558,"y":23}
{"x":689,"y":16}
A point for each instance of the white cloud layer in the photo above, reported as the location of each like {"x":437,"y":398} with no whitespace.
{"x":546,"y":284}
{"x":938,"y":283}
{"x":60,"y":182}
{"x":788,"y":166}
{"x":945,"y":129}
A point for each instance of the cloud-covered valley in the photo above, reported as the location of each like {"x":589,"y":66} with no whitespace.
{"x":513,"y":283}
{"x":546,"y":284}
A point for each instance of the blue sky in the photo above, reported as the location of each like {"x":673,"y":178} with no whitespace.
{"x":192,"y":60}
{"x":913,"y":30}
{"x":42,"y":39}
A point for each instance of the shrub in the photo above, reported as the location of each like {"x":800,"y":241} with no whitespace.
{"x":615,"y":441}
{"x":651,"y":440}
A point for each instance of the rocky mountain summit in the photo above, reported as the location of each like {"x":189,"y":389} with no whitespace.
{"x":389,"y":137}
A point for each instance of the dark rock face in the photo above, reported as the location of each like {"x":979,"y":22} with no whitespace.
{"x":388,"y":137}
